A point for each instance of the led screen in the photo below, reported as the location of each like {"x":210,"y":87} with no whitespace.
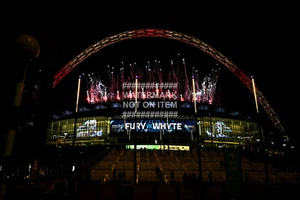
{"x":153,"y":125}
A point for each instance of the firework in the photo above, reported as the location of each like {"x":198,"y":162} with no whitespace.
{"x":155,"y":82}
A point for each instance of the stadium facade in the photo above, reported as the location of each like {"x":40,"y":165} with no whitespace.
{"x":104,"y":123}
{"x":162,"y":109}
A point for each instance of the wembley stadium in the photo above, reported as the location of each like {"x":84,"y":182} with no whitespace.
{"x":167,"y":109}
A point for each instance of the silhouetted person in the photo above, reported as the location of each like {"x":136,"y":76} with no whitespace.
{"x":172,"y":176}
{"x":222,"y":165}
{"x":198,"y":179}
{"x":185,"y":178}
{"x":157,"y":171}
{"x":88,"y":175}
{"x":114,"y":176}
{"x":189,"y":178}
{"x":210,"y":177}
{"x":120,"y":176}
{"x":194,"y":178}
{"x":71,"y":186}
{"x":124,"y":176}
{"x":49,"y":186}
{"x":160,"y":175}
{"x":246,"y":177}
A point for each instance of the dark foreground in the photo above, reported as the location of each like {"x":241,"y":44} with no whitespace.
{"x":96,"y":191}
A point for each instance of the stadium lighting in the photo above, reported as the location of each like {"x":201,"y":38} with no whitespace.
{"x":262,"y":140}
{"x":75,"y":122}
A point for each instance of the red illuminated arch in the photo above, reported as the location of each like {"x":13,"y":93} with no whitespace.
{"x":175,"y":36}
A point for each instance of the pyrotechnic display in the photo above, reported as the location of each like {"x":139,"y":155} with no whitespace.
{"x":173,"y":82}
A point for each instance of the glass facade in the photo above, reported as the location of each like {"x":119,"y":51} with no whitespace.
{"x":228,"y":129}
{"x":88,"y":130}
{"x":97,"y":129}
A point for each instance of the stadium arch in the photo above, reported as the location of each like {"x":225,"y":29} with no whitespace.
{"x":173,"y":35}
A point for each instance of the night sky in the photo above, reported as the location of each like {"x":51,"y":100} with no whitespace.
{"x":263,"y":42}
